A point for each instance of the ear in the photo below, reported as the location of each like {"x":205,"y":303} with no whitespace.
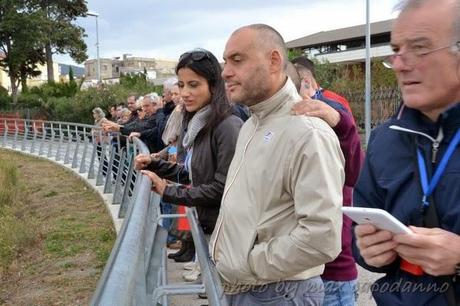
{"x":276,"y":61}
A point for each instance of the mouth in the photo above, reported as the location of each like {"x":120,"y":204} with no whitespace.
{"x":230,"y":86}
{"x":410,"y":83}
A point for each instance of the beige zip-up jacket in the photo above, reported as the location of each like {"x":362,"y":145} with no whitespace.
{"x":280,"y":217}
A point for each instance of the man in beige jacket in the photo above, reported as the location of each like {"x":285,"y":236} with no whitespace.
{"x":280,"y":219}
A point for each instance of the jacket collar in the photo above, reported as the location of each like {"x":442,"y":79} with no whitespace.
{"x":413,"y":119}
{"x":274,"y":103}
{"x":169,"y":107}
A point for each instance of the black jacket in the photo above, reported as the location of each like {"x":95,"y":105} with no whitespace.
{"x":138,"y":125}
{"x":152,"y":137}
{"x":212,"y":153}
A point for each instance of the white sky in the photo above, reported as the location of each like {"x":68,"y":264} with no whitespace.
{"x":166,"y":29}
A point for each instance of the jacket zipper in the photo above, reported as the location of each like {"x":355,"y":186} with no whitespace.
{"x":435,"y":142}
{"x":229,"y":185}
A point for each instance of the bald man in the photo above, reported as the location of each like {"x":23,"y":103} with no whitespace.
{"x":280,"y":219}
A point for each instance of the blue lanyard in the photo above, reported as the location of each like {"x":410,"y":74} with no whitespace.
{"x":428,"y":187}
{"x":317,"y":95}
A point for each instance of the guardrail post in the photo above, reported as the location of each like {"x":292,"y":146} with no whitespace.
{"x":34,"y":137}
{"x":67,"y":151}
{"x":42,"y":143}
{"x":108,"y":176}
{"x":91,"y":174}
{"x":58,"y":150}
{"x":5,"y":133}
{"x":50,"y":145}
{"x":77,"y":146}
{"x":100,"y":175}
{"x":125,"y":198}
{"x":83,"y":157}
{"x":117,"y":195}
{"x":26,"y":134}
{"x":15,"y":133}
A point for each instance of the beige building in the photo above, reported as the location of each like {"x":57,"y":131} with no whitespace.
{"x":107,"y":70}
{"x":41,"y":79}
{"x":113,"y":68}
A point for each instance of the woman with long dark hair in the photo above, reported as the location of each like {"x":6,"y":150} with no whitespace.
{"x":206,"y":144}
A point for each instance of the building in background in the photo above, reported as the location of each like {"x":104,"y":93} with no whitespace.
{"x":346,"y":45}
{"x":61,"y":74}
{"x":111,"y":69}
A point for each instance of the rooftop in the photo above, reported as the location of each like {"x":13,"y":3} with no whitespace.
{"x":338,"y":35}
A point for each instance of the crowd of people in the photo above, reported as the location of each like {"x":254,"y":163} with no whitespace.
{"x":268,"y":158}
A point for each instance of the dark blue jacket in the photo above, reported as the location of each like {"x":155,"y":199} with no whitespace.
{"x":389,"y":180}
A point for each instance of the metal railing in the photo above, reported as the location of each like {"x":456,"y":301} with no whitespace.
{"x":136,"y":271}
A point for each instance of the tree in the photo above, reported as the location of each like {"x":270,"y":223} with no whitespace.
{"x":63,"y":36}
{"x":71,"y":77}
{"x":293,"y":53}
{"x":21,"y":32}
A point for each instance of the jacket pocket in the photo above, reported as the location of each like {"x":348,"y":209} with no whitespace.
{"x":233,"y":261}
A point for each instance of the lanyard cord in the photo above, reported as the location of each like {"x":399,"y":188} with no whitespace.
{"x":428,"y":187}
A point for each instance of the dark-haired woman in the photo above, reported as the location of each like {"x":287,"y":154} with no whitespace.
{"x":207,"y":142}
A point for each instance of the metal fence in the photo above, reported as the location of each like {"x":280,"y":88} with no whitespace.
{"x":384,"y":103}
{"x":136,"y":271}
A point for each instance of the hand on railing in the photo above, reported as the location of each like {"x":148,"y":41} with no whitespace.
{"x":134,"y":134}
{"x":141,"y":161}
{"x":110,"y":126}
{"x":158,"y":184}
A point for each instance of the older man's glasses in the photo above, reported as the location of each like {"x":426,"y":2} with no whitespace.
{"x":413,"y":56}
{"x":196,"y":55}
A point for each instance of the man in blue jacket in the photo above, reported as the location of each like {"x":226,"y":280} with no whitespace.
{"x":412,"y":167}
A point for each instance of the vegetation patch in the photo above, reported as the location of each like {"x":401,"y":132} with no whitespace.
{"x":55,"y":231}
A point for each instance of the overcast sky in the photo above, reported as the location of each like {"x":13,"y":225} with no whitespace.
{"x":166,"y":29}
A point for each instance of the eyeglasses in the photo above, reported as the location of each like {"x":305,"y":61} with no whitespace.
{"x":196,"y":55}
{"x":413,"y":57}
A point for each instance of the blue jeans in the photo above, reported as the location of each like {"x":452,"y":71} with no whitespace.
{"x":167,"y":208}
{"x":308,"y":292}
{"x":340,"y":293}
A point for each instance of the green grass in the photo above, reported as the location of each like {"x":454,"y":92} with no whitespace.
{"x":17,"y":227}
{"x":53,"y":228}
{"x":52,"y":193}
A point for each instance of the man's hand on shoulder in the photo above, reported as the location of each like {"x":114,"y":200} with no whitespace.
{"x":319,"y":109}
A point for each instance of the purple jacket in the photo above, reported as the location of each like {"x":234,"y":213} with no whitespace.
{"x":343,"y":268}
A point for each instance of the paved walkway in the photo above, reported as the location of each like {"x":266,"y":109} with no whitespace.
{"x":175,"y":271}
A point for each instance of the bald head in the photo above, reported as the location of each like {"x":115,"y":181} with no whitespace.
{"x":255,"y":64}
{"x":267,"y":38}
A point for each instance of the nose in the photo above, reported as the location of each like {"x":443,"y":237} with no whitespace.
{"x":227,"y":72}
{"x":184,"y":92}
{"x":399,"y":63}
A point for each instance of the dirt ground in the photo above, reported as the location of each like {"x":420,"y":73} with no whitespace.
{"x":74,"y":237}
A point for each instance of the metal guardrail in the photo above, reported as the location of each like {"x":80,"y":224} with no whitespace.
{"x":136,"y":271}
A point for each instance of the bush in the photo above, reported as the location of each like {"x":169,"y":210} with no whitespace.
{"x":66,"y":102}
{"x":5,"y":101}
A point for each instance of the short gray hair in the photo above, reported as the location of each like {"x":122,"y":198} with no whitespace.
{"x":154,"y":97}
{"x":99,"y":112}
{"x":169,"y":83}
{"x":125,"y":112}
{"x":405,"y":5}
